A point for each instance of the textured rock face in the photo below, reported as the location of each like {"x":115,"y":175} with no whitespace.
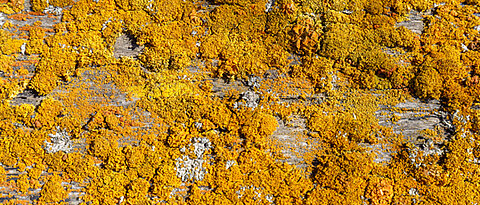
{"x":192,"y":156}
{"x":125,"y":46}
{"x":414,"y":22}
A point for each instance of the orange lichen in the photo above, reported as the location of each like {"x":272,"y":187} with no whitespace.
{"x":53,"y":191}
{"x":11,"y":6}
{"x":258,"y":127}
{"x":154,"y":128}
{"x":48,"y":113}
{"x":8,"y":45}
{"x":23,"y":184}
{"x":379,"y":191}
{"x":428,"y":83}
{"x":39,"y":5}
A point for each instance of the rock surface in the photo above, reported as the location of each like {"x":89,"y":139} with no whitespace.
{"x":415,"y":117}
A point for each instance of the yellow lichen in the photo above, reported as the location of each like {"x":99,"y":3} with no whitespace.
{"x":53,"y":191}
{"x":330,"y":64}
{"x":428,"y":83}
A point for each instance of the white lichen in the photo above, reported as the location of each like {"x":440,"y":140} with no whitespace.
{"x":2,"y":19}
{"x":60,"y":141}
{"x":259,"y":192}
{"x":269,"y":5}
{"x":23,"y":48}
{"x":53,"y":10}
{"x":192,"y":169}
{"x":249,"y":99}
{"x":425,"y":149}
{"x":230,"y":163}
{"x":253,"y":82}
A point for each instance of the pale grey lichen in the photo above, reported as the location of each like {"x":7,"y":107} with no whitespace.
{"x":435,"y":5}
{"x":53,"y":10}
{"x":230,"y":163}
{"x":413,"y":192}
{"x":105,"y":24}
{"x":23,"y":48}
{"x":192,"y":169}
{"x":464,"y":48}
{"x":269,"y":5}
{"x":253,"y":82}
{"x":2,"y":19}
{"x":250,"y":100}
{"x":477,"y":28}
{"x":60,"y":141}
{"x":198,"y":125}
{"x":425,"y":149}
{"x":258,"y":193}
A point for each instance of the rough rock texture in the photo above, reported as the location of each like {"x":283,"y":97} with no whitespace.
{"x":125,"y":46}
{"x":414,"y":22}
{"x":416,"y":116}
